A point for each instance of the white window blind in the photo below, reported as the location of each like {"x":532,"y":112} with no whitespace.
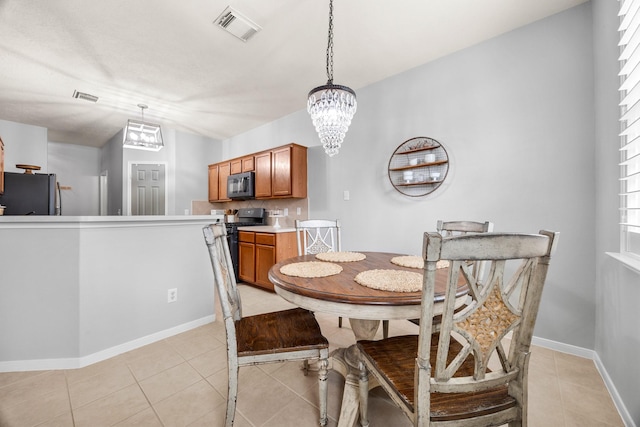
{"x":630,"y":127}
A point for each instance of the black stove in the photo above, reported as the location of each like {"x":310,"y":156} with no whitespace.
{"x":237,"y":224}
{"x":246,"y":217}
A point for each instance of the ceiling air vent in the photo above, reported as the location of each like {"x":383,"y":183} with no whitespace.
{"x":85,"y":96}
{"x":237,"y":24}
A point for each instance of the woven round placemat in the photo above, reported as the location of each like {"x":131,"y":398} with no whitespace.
{"x":311,"y":269}
{"x":390,"y":280}
{"x":341,"y":256}
{"x":410,"y":261}
{"x":413,"y":261}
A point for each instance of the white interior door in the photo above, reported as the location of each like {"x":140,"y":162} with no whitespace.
{"x":147,"y":189}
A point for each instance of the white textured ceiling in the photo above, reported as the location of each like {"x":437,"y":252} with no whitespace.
{"x":195,"y":77}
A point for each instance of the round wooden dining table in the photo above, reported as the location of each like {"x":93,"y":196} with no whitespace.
{"x":365,"y":307}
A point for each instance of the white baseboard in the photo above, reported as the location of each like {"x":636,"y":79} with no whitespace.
{"x":591,"y":354}
{"x":617,"y":400}
{"x":80,"y":362}
{"x":564,"y":348}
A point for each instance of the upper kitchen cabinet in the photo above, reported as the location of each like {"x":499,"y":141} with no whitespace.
{"x":282,"y":172}
{"x":218,"y":174}
{"x":214,"y":189}
{"x":1,"y":166}
{"x":244,"y":164}
{"x":263,"y":175}
{"x":279,"y":173}
{"x":289,"y":174}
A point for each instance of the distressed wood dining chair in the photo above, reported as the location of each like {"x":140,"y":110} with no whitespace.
{"x":323,"y":235}
{"x":263,"y":338}
{"x":458,"y":228}
{"x":441,"y":376}
{"x":315,"y":236}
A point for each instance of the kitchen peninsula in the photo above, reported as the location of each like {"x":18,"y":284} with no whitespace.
{"x":77,"y":290}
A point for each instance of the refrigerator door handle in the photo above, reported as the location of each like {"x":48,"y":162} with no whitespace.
{"x":58,"y":200}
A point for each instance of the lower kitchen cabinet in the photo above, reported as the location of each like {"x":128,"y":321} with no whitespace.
{"x":259,"y":251}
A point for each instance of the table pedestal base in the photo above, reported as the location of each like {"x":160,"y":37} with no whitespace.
{"x":345,"y":362}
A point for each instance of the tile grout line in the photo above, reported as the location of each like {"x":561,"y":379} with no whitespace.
{"x":66,"y":381}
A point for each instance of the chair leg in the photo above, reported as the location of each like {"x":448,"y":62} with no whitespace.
{"x":339,"y":322}
{"x":363,"y":384}
{"x":323,"y":374}
{"x":232,"y":395}
{"x":385,"y":329}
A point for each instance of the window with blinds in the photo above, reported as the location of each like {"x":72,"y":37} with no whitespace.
{"x":630,"y":127}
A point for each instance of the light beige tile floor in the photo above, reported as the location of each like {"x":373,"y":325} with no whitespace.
{"x":181,"y":381}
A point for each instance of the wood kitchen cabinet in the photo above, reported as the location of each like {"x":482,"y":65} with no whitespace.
{"x":279,"y":173}
{"x":224,"y":170}
{"x":214,"y":189}
{"x":259,"y":251}
{"x":263,"y":175}
{"x":247,"y":256}
{"x":282,"y":172}
{"x":218,"y":174}
{"x":289,"y":171}
{"x":244,"y":164}
{"x":1,"y":166}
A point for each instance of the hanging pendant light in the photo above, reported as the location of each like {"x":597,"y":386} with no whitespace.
{"x":143,"y":135}
{"x":331,"y":106}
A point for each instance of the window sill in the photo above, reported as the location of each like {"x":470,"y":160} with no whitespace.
{"x":627,"y":261}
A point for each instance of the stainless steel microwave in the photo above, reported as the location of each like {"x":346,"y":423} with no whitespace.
{"x":241,"y":186}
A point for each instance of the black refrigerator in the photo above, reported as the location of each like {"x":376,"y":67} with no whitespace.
{"x":30,"y":194}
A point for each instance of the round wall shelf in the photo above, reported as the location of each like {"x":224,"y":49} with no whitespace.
{"x":418,"y":166}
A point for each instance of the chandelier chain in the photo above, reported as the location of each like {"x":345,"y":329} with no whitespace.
{"x":331,"y":107}
{"x":330,"y":45}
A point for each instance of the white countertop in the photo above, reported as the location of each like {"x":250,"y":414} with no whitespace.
{"x":267,"y":229}
{"x":64,"y":221}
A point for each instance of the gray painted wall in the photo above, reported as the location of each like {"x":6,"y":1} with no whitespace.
{"x":193,"y":154}
{"x":77,"y":168}
{"x":186,"y":156}
{"x":75,"y":292}
{"x":40,"y":304}
{"x":530,"y":122}
{"x":112,"y":166}
{"x":24,"y":144}
{"x":617,"y":288}
{"x":516,"y":116}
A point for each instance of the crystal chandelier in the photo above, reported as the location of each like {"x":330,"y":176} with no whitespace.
{"x":331,"y":107}
{"x":143,"y":135}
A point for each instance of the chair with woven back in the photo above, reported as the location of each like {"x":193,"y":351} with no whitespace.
{"x":263,"y":338}
{"x":458,"y":228}
{"x":323,"y":235}
{"x":443,"y":375}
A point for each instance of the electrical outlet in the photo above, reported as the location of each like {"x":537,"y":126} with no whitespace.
{"x":286,"y":211}
{"x":172,"y":295}
{"x":298,"y":211}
